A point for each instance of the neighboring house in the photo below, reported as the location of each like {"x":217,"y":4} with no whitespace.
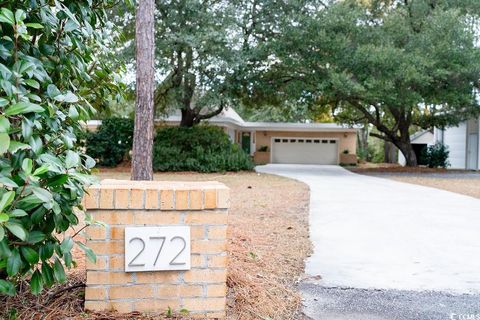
{"x":463,"y":144}
{"x":420,"y":141}
{"x":269,"y":142}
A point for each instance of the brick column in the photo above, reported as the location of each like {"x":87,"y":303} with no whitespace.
{"x":201,"y":205}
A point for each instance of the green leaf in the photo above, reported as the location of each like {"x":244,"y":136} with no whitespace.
{"x":36,"y":144}
{"x":41,"y":170}
{"x":53,"y":91}
{"x":17,"y":230}
{"x":7,"y":288}
{"x":27,"y":166}
{"x":47,"y":274}
{"x":89,"y":162}
{"x":15,"y":146}
{"x":20,"y":15}
{"x":7,"y":16}
{"x":66,"y":245}
{"x":3,"y":102}
{"x":23,"y":107}
{"x":14,"y":263}
{"x":57,"y":180}
{"x":36,"y":283}
{"x":32,"y":83}
{"x":27,"y":128}
{"x":29,"y":254}
{"x":69,"y":97}
{"x":42,"y":194}
{"x":67,"y":259}
{"x":34,"y":25}
{"x":4,"y":217}
{"x":5,"y":251}
{"x":46,"y":251}
{"x":89,"y":252}
{"x":6,"y":200}
{"x":4,"y":125}
{"x":4,"y":142}
{"x":72,"y":159}
{"x":8,"y":182}
{"x":18,"y":213}
{"x":2,"y":233}
{"x":58,"y":271}
{"x":35,"y":237}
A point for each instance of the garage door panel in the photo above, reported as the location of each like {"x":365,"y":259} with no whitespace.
{"x":305,"y":150}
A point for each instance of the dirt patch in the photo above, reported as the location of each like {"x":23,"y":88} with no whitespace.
{"x":268,"y":243}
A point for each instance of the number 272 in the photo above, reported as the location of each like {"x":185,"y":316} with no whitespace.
{"x":161,"y":241}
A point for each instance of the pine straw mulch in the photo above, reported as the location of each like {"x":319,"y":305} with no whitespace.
{"x":268,"y":242}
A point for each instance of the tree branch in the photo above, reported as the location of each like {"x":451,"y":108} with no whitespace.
{"x":212,"y":114}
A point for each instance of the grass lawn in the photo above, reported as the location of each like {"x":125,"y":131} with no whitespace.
{"x":267,"y":244}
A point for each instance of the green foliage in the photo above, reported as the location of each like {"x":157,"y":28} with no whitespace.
{"x":47,"y":68}
{"x":110,"y":144}
{"x":436,"y":156}
{"x":406,"y":64}
{"x":200,"y":148}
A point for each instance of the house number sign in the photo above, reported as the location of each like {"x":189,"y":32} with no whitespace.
{"x":157,"y":248}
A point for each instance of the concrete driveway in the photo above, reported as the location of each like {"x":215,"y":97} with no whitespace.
{"x":374,"y":233}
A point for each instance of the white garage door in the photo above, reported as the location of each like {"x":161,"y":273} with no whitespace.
{"x":305,"y":150}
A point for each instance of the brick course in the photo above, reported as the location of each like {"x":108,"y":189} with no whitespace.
{"x":201,"y":205}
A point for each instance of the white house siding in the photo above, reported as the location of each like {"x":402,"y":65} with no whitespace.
{"x":456,"y":140}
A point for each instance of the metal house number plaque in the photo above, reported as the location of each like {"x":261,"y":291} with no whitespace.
{"x":157,"y":248}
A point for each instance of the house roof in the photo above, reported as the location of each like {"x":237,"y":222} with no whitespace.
{"x":229,"y":117}
{"x":419,"y":134}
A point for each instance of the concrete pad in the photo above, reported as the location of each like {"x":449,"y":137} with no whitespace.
{"x":371,"y":232}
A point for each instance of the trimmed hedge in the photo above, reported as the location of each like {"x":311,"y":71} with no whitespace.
{"x":112,"y":141}
{"x":201,"y":148}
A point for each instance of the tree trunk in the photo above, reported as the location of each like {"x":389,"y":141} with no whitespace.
{"x":362,"y":138}
{"x":188,"y":118}
{"x":144,"y":111}
{"x":390,"y":152}
{"x":407,"y":150}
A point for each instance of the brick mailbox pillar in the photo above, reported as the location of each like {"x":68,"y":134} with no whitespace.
{"x":203,"y":206}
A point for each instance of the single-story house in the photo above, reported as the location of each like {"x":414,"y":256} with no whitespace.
{"x":463,"y":143}
{"x":272,"y":142}
{"x":420,"y":141}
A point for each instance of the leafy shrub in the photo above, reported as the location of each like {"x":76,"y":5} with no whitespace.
{"x":110,"y":144}
{"x":45,"y":55}
{"x":200,"y":148}
{"x":436,"y":156}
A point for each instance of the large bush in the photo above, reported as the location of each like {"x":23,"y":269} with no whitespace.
{"x":200,"y":148}
{"x":436,"y":156}
{"x":110,"y":144}
{"x":47,"y":72}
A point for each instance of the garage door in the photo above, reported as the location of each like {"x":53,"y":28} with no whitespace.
{"x":304,"y":151}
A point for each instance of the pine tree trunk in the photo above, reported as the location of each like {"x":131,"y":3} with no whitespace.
{"x":144,"y":111}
